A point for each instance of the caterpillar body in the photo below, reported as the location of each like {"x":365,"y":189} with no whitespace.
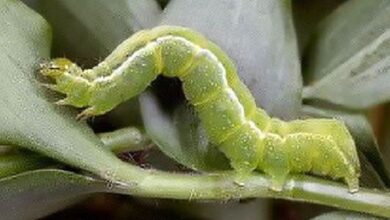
{"x":249,"y":138}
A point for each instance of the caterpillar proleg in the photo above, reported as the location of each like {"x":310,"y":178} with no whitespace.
{"x":249,"y":138}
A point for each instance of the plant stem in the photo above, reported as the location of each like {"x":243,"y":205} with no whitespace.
{"x":222,"y":186}
{"x":125,"y":139}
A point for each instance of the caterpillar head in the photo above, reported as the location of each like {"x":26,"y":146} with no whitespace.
{"x":57,"y":67}
{"x":67,"y":80}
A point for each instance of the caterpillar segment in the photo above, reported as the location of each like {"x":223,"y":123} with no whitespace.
{"x":249,"y":138}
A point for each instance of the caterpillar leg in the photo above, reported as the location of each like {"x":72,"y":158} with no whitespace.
{"x":242,"y":148}
{"x":274,"y":161}
{"x":320,"y":155}
{"x":87,"y":113}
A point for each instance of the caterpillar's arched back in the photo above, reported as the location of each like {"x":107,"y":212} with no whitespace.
{"x":246,"y":134}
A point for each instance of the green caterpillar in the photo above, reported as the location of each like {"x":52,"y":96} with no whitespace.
{"x":244,"y":133}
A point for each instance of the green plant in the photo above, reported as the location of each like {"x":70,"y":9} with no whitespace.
{"x":347,"y":72}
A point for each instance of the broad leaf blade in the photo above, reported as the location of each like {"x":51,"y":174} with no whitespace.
{"x":259,"y":36}
{"x":27,"y":117}
{"x":365,"y":143}
{"x":35,"y":194}
{"x":89,"y":30}
{"x":13,"y":163}
{"x":307,"y":15}
{"x":351,"y":54}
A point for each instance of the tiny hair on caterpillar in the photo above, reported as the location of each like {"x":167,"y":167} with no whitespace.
{"x":249,"y":138}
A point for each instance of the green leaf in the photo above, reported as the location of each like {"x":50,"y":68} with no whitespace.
{"x":259,"y":36}
{"x":343,"y":215}
{"x":350,"y":57}
{"x":307,"y":15}
{"x":183,"y":140}
{"x":35,"y":194}
{"x":27,"y":117}
{"x":370,"y":157}
{"x":16,"y":162}
{"x":89,"y":30}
